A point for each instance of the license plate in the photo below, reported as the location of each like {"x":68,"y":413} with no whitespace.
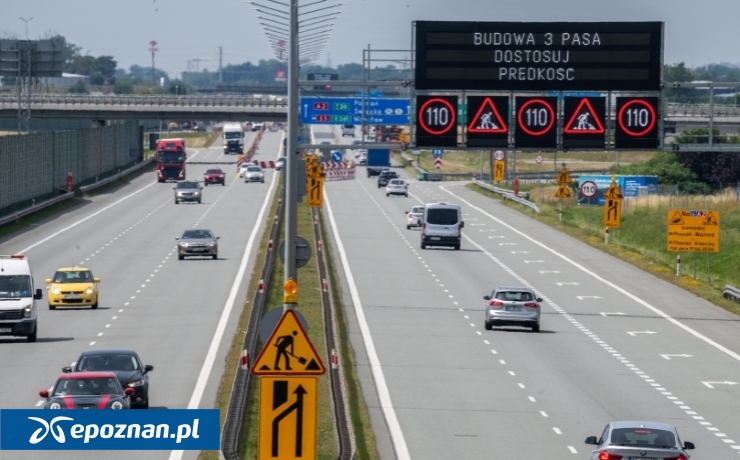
{"x":434,"y":238}
{"x":642,"y":458}
{"x":199,"y":249}
{"x":5,"y":329}
{"x":511,"y":308}
{"x":72,"y":296}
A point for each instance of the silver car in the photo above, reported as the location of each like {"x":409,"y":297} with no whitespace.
{"x":513,"y":306}
{"x":198,"y":242}
{"x":639,"y":441}
{"x":254,"y":173}
{"x":397,"y":187}
{"x":188,"y":191}
{"x":414,"y":217}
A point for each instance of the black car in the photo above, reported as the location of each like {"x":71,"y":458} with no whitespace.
{"x":87,"y":390}
{"x":127,"y":367}
{"x":385,"y":177}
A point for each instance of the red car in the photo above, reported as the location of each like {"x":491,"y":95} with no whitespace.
{"x":87,"y":390}
{"x":214,"y":176}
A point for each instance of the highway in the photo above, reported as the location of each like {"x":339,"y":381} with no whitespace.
{"x":173,"y":313}
{"x":616,"y":343}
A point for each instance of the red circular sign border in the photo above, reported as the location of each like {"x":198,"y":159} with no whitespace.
{"x":630,"y":132}
{"x":453,"y":120}
{"x":589,"y":182}
{"x":521,"y":123}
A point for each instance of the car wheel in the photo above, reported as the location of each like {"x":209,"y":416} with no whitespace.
{"x":488,"y":326}
{"x":32,"y":337}
{"x":387,"y":194}
{"x":205,"y":184}
{"x":406,"y":195}
{"x":145,"y":405}
{"x":423,"y":245}
{"x":408,"y":227}
{"x":536,"y":328}
{"x":180,"y":257}
{"x":215,"y":256}
{"x":52,"y":307}
{"x":177,"y":202}
{"x":223,"y":183}
{"x":457,"y":247}
{"x":262,"y":181}
{"x":95,"y":305}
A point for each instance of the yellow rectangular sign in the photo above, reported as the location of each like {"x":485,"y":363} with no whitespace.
{"x":693,"y":231}
{"x":499,"y":168}
{"x":287,"y":418}
{"x":315,"y":191}
{"x":612,"y":213}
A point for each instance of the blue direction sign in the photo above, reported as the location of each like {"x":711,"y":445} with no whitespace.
{"x":342,"y":111}
{"x":437,"y":153}
{"x":336,"y":157}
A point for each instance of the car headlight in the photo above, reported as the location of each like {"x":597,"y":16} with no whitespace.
{"x":55,"y":406}
{"x":116,"y":405}
{"x":212,"y":245}
{"x":89,"y":291}
{"x":27,"y":312}
{"x":55,"y":291}
{"x":137,"y":383}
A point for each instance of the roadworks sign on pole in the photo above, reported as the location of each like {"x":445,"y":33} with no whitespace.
{"x":613,"y":205}
{"x":287,"y":418}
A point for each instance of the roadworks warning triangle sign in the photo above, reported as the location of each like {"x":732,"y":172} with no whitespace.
{"x":563,"y":192}
{"x":613,"y":192}
{"x":564,"y":177}
{"x":488,"y":120}
{"x":677,"y":219}
{"x":585,"y":120}
{"x":710,"y":219}
{"x":288,"y":351}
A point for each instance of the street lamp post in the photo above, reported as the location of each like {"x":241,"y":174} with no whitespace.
{"x":27,"y":21}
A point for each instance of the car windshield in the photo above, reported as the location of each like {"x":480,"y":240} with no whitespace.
{"x":187,"y":185}
{"x":214,"y":171}
{"x":15,"y":287}
{"x":92,"y":386}
{"x":254,"y":169}
{"x":643,"y":437}
{"x":281,"y":160}
{"x":73,"y":276}
{"x":388,"y":174}
{"x":197,"y":235}
{"x":233,"y":135}
{"x":396,"y":182}
{"x":417,"y":210}
{"x":441,"y":216}
{"x":169,"y":157}
{"x":514,"y":296}
{"x":108,"y":362}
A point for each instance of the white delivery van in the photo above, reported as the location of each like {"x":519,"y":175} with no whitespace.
{"x":233,"y":138}
{"x":442,"y":225}
{"x":17,"y":298}
{"x":348,"y":130}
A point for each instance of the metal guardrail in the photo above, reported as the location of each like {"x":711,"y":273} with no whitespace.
{"x":36,"y":207}
{"x":342,"y":424}
{"x":507,"y":195}
{"x":701,"y":110}
{"x":148,"y":100}
{"x":731,"y":293}
{"x":115,"y":177}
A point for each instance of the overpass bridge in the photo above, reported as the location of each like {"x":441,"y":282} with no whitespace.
{"x":245,"y":108}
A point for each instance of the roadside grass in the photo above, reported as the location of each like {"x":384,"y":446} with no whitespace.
{"x":196,"y":139}
{"x":116,"y":184}
{"x":360,"y":419}
{"x":232,"y":357}
{"x":309,"y":305}
{"x":643,"y":234}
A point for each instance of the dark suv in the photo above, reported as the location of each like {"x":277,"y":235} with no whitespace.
{"x":385,"y":177}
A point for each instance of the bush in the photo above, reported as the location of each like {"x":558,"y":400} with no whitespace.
{"x":122,"y":87}
{"x":77,"y":88}
{"x":669,"y":169}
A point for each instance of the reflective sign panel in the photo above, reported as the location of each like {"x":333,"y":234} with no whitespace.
{"x":436,"y":121}
{"x":584,"y":122}
{"x":488,"y":121}
{"x":637,"y":123}
{"x":536,"y":122}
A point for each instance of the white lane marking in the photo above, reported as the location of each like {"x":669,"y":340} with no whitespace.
{"x":534,"y":261}
{"x":92,"y":343}
{"x":394,"y":427}
{"x":548,"y":271}
{"x":512,"y":373}
{"x":544,"y":414}
{"x":567,"y":284}
{"x":40,"y":403}
{"x":85,"y":219}
{"x":572,"y":449}
{"x":107,"y":326}
{"x":502,"y":361}
{"x":486,"y":342}
{"x":531,"y":398}
{"x":634,"y":333}
{"x":711,"y":384}
{"x":557,"y":430}
{"x":494,"y":352}
{"x":587,"y":297}
{"x":100,"y":334}
{"x":205,"y":371}
{"x":668,"y":357}
{"x":614,"y":286}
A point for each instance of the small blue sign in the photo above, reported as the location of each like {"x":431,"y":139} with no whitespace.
{"x":172,"y":429}
{"x":437,"y":153}
{"x":336,"y":157}
{"x":343,"y":111}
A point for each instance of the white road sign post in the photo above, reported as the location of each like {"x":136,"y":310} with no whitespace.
{"x":538,"y":159}
{"x":589,"y":189}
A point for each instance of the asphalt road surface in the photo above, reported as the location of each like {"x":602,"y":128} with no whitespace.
{"x":173,"y":313}
{"x":616,"y":343}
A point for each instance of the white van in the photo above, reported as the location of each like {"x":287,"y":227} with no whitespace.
{"x":17,"y":298}
{"x":442,"y":225}
{"x":348,"y":130}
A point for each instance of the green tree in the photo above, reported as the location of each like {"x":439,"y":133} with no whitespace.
{"x":179,"y":87}
{"x":122,"y":87}
{"x":669,"y":169}
{"x":701,"y":136}
{"x":679,"y":73}
{"x":77,"y":88}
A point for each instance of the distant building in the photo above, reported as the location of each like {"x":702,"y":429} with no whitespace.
{"x":66,"y":80}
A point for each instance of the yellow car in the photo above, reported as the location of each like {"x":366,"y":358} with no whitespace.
{"x":73,"y":287}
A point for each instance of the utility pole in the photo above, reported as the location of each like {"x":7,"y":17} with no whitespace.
{"x":153,"y":48}
{"x":220,"y":65}
{"x":27,"y":21}
{"x":291,"y":170}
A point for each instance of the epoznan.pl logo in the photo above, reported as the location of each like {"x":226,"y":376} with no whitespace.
{"x":176,"y":429}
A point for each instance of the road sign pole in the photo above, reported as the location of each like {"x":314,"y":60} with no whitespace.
{"x":588,"y":212}
{"x":291,"y":171}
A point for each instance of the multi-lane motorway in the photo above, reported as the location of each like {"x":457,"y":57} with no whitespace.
{"x":173,"y":313}
{"x":616,"y":343}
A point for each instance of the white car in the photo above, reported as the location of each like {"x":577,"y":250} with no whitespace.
{"x":397,"y":187}
{"x":243,"y":168}
{"x":414,"y":217}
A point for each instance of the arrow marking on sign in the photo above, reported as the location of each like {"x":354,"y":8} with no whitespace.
{"x":584,"y":297}
{"x":617,"y":313}
{"x":711,"y":384}
{"x":634,"y":333}
{"x":668,"y":357}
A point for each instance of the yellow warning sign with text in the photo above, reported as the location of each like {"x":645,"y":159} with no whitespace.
{"x":563,"y":191}
{"x":612,"y":213}
{"x":287,"y":418}
{"x":288,"y":351}
{"x":499,"y":168}
{"x":564,"y":177}
{"x":693,"y":231}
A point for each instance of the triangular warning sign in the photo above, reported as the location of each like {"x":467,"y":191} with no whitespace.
{"x":710,"y":219}
{"x":585,"y":120}
{"x":564,"y":177}
{"x":288,"y":351}
{"x":563,"y":192}
{"x":677,"y":219}
{"x":487,"y":120}
{"x":613,"y":192}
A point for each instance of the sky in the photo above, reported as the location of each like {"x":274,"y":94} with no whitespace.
{"x":697,"y":33}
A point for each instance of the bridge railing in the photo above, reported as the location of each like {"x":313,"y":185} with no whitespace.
{"x":149,"y":100}
{"x":701,"y":110}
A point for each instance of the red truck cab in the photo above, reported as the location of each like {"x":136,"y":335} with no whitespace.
{"x":170,"y":158}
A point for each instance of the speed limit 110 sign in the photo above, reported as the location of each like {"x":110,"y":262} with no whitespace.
{"x":589,"y":189}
